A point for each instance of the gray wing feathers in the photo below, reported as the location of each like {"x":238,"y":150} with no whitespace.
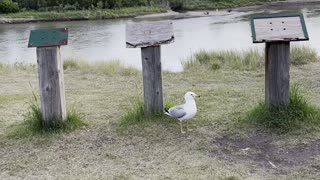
{"x":177,"y":112}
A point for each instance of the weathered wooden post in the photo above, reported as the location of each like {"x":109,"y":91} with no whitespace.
{"x":50,"y":71}
{"x":149,"y":37}
{"x":277,"y":31}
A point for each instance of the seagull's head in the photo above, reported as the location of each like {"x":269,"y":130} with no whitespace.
{"x":190,"y":95}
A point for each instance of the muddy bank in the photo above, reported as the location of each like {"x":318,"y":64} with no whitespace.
{"x":280,"y":4}
{"x":223,"y":12}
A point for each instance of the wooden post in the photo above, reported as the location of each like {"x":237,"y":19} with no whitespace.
{"x":152,"y":80}
{"x":50,"y":71}
{"x":277,"y":76}
{"x":277,"y":31}
{"x":149,"y":37}
{"x":51,"y":83}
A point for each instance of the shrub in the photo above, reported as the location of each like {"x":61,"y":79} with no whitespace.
{"x":176,"y":4}
{"x":100,"y":5}
{"x":7,"y":6}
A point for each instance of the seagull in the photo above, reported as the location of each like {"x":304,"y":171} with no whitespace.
{"x":185,"y":111}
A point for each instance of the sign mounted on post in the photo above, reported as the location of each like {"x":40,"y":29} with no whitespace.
{"x":290,"y":27}
{"x":50,"y":70}
{"x":276,"y":31}
{"x":48,"y":37}
{"x":149,"y":34}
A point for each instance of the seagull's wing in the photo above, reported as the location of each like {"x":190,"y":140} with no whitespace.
{"x":177,"y":111}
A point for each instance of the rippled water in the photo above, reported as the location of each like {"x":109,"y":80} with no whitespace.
{"x":105,"y":39}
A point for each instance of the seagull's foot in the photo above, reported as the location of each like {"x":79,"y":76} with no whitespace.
{"x":183,"y":132}
{"x":190,"y":129}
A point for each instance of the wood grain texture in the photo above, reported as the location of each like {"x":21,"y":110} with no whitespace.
{"x":277,"y":75}
{"x":152,"y":80}
{"x":279,"y":29}
{"x":51,"y":82}
{"x":149,"y":34}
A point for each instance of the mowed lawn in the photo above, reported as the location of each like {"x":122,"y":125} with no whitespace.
{"x":222,"y":144}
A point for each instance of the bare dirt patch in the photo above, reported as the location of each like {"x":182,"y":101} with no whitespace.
{"x":261,"y":149}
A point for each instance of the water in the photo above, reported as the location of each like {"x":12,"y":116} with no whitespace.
{"x":104,"y":40}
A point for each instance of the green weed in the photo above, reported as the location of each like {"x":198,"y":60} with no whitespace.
{"x":298,"y":114}
{"x":136,"y":116}
{"x":32,"y":124}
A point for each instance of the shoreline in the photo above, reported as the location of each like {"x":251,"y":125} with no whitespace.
{"x":169,"y":14}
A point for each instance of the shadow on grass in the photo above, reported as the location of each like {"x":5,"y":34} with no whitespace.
{"x":299,"y":114}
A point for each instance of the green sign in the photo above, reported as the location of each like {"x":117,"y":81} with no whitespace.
{"x":48,"y":37}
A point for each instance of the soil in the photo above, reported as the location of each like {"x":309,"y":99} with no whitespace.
{"x":259,"y":148}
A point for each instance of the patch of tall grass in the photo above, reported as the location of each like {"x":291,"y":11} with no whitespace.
{"x":32,"y":124}
{"x":251,"y":59}
{"x":101,"y":67}
{"x":136,"y":116}
{"x":228,"y":59}
{"x":299,"y":114}
{"x":303,"y":54}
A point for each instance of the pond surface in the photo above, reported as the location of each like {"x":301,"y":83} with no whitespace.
{"x":103,"y":40}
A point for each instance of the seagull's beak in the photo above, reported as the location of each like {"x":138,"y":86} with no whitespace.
{"x":197,"y":95}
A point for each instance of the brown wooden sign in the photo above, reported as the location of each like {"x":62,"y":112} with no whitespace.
{"x":276,"y":31}
{"x":149,"y":34}
{"x":279,"y":28}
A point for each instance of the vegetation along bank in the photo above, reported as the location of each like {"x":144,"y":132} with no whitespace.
{"x":19,"y":11}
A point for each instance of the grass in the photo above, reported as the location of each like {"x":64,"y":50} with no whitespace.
{"x":103,"y":67}
{"x":86,"y":14}
{"x":6,"y":68}
{"x":248,"y":60}
{"x":11,"y":98}
{"x":245,"y":60}
{"x":303,"y":54}
{"x":32,"y":124}
{"x":219,"y":147}
{"x":299,"y":114}
{"x":136,"y":116}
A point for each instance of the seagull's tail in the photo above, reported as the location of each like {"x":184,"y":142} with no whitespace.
{"x":166,"y":111}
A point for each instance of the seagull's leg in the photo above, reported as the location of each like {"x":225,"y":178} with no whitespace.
{"x":182,"y":132}
{"x":188,"y":127}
